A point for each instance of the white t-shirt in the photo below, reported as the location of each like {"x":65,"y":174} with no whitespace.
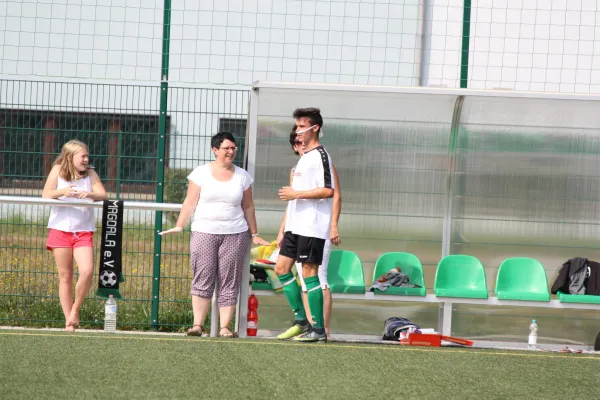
{"x":219,"y":210}
{"x":311,"y":217}
{"x":73,"y":219}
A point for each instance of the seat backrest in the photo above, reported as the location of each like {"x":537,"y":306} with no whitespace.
{"x":407,"y":262}
{"x":345,"y":268}
{"x":522,"y":275}
{"x":461,"y":272}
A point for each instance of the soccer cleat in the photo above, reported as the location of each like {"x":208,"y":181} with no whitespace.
{"x":294,"y":330}
{"x":313,"y":335}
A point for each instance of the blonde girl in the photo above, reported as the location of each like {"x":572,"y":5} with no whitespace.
{"x":71,"y":229}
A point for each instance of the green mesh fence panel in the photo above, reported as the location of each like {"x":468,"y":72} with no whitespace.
{"x":120,"y":125}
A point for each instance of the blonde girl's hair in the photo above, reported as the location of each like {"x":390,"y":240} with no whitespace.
{"x":65,"y":160}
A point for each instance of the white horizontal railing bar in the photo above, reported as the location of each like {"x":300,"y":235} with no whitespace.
{"x":131,"y":205}
{"x":431,"y":298}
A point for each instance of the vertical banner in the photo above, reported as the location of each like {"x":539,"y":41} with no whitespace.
{"x":109,"y":274}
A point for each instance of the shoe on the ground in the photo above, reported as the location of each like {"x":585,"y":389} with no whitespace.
{"x":196,"y":330}
{"x":312,"y":335}
{"x":298,"y":328}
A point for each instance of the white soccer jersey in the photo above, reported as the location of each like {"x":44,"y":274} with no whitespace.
{"x":308,"y":217}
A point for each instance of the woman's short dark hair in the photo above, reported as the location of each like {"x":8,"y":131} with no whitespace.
{"x":220,"y":137}
{"x":293,"y":136}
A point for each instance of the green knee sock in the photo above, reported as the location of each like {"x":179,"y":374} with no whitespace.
{"x":293,"y":294}
{"x":315,"y":300}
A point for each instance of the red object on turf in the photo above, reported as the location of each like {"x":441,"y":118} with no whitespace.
{"x":252,"y":326}
{"x":435,"y":340}
{"x":425,"y":339}
{"x":263,"y":261}
{"x":456,"y":340}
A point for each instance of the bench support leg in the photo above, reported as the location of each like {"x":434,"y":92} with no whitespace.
{"x":445,"y":319}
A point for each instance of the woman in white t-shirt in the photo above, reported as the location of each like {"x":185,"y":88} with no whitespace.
{"x":220,"y":196}
{"x":71,"y":229}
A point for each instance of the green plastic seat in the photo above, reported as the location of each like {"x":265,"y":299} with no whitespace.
{"x":577,"y":298}
{"x":409,"y":264}
{"x":522,"y":279}
{"x":460,"y":276}
{"x":345,"y":273}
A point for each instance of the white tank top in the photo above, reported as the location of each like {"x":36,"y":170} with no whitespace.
{"x":73,"y":219}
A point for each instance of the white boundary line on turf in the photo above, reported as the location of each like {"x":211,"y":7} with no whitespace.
{"x":342,"y":346}
{"x":343,"y":339}
{"x":133,"y":333}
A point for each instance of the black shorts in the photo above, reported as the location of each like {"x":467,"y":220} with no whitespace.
{"x":303,"y":249}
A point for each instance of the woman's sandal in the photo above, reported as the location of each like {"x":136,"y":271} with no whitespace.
{"x":227,"y":334}
{"x":196,"y":330}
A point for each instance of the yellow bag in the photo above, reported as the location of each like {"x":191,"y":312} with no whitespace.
{"x":267,"y":253}
{"x":262,"y":252}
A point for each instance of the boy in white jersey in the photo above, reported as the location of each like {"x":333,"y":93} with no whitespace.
{"x":307,"y":227}
{"x":299,"y":148}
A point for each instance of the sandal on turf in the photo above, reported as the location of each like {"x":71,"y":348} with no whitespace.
{"x":227,"y":334}
{"x":196,"y":330}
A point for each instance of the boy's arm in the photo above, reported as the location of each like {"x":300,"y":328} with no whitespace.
{"x":322,"y":191}
{"x":287,"y":193}
{"x":282,"y":227}
{"x":336,"y":209}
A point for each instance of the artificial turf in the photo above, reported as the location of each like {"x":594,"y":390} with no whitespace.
{"x":48,"y":365}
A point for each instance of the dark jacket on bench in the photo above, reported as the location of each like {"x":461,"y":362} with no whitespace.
{"x":573,"y":277}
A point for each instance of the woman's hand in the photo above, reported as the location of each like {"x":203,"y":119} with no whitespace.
{"x":280,"y":239}
{"x":171,"y":231}
{"x":257,"y":240}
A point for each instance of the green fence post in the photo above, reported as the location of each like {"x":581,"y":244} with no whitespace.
{"x":160,"y":175}
{"x":466,"y":36}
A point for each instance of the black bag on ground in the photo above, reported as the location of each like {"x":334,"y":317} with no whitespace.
{"x":393,"y":326}
{"x":597,"y":344}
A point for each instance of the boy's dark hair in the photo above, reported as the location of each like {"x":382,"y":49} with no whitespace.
{"x":293,"y":136}
{"x":220,"y":137}
{"x":313,"y":115}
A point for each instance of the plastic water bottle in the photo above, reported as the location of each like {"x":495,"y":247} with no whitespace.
{"x":110,"y":315}
{"x":533,"y":335}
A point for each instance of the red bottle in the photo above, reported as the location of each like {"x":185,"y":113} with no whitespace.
{"x":252,"y":326}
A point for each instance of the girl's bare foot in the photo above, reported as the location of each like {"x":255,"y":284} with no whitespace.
{"x":69,"y":328}
{"x":73,"y":320}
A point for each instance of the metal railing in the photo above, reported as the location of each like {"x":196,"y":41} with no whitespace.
{"x":29,"y":280}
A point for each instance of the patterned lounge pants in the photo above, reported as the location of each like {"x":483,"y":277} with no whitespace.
{"x":218,"y":259}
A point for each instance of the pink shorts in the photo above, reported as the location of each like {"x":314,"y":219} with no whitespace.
{"x":70,"y":240}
